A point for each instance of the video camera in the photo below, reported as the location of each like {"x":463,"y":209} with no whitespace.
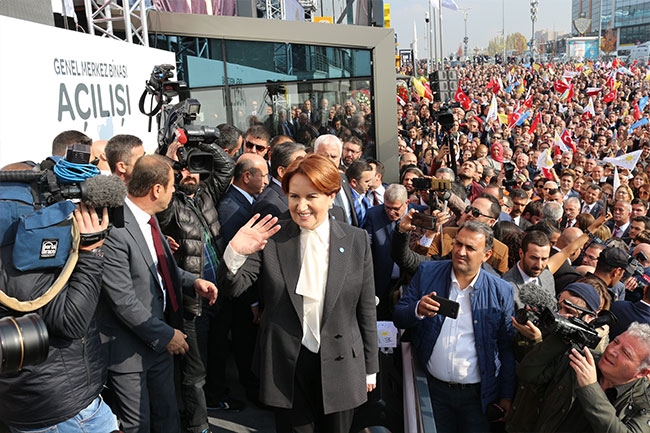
{"x":23,"y":341}
{"x":573,"y":329}
{"x":175,"y":122}
{"x":636,"y":270}
{"x":510,"y":180}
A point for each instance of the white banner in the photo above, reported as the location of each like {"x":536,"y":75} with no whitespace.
{"x":53,"y":80}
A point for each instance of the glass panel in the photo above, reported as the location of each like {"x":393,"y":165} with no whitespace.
{"x":213,"y":106}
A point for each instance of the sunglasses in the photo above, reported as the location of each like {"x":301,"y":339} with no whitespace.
{"x":258,"y":147}
{"x":475,"y":212}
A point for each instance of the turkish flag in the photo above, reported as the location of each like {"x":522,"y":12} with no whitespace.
{"x":528,"y":102}
{"x":637,"y":111}
{"x":536,"y":121}
{"x":566,"y":139}
{"x":461,"y":97}
{"x":560,"y":86}
{"x":493,"y":85}
{"x":512,"y":119}
{"x":609,"y":97}
{"x":593,"y":91}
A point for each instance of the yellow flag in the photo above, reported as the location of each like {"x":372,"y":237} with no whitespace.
{"x":617,"y":85}
{"x":521,"y":90}
{"x":503,"y":118}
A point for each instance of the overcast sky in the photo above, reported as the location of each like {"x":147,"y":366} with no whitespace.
{"x":483,"y":23}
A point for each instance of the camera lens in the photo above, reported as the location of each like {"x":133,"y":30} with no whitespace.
{"x":23,"y":341}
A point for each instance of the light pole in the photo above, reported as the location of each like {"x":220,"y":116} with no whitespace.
{"x":465,"y":39}
{"x":503,"y":29}
{"x":533,"y":18}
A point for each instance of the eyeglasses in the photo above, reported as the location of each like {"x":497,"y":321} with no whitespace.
{"x":475,"y":212}
{"x":258,"y":147}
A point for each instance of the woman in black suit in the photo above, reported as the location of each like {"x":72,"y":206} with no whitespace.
{"x":316,"y":353}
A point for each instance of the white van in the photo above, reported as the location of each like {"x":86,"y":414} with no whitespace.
{"x":640,"y":53}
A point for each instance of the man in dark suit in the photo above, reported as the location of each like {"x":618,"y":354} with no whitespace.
{"x":592,"y":203}
{"x":534,"y":253}
{"x":240,"y":315}
{"x":140,"y":314}
{"x":249,"y":180}
{"x":330,"y":146}
{"x":380,"y":224}
{"x":620,"y":223}
{"x":273,"y":200}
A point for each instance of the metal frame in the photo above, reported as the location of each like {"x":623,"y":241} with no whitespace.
{"x":380,"y":41}
{"x":101,"y":14}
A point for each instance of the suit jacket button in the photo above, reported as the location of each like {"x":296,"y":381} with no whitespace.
{"x":337,"y":336}
{"x":339,"y":358}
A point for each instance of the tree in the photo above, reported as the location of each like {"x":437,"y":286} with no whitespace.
{"x":516,"y":42}
{"x":495,"y":45}
{"x":459,"y":52}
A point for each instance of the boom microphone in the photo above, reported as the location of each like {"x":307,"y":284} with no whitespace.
{"x":103,"y":191}
{"x":533,"y":295}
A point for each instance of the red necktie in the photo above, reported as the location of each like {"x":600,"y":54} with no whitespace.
{"x":375,"y":198}
{"x":162,"y":263}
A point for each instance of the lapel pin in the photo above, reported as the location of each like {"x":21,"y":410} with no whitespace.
{"x":341,"y":250}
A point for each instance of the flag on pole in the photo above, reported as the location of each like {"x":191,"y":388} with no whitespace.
{"x":492,"y":112}
{"x":561,"y":86}
{"x":642,"y":102}
{"x":628,"y":160}
{"x":588,"y":112}
{"x":617,"y":180}
{"x":494,"y":85}
{"x":545,"y":163}
{"x":461,"y":97}
{"x":636,"y":124}
{"x":637,"y":111}
{"x":609,"y":97}
{"x":536,"y":121}
{"x":557,"y":142}
{"x":522,"y":118}
{"x":567,"y":140}
{"x":449,"y":4}
{"x":593,"y":91}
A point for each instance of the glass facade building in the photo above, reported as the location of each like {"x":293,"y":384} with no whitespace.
{"x":630,"y":18}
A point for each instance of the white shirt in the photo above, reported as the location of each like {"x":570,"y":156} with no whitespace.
{"x":621,"y":230}
{"x":142,"y":218}
{"x":527,"y":278}
{"x":454,"y":358}
{"x":248,"y":197}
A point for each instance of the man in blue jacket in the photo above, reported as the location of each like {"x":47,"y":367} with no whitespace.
{"x":469,"y":359}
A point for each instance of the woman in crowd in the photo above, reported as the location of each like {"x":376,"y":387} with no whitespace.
{"x":317,"y":350}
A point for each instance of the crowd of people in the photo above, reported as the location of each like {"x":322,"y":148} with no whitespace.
{"x":502,"y":267}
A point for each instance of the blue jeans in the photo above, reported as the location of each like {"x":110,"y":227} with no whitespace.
{"x":96,"y":418}
{"x":457,"y":410}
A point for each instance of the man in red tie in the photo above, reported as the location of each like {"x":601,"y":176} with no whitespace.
{"x":140,"y":313}
{"x":620,"y":223}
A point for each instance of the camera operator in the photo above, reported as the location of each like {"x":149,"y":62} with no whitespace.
{"x":545,"y":379}
{"x":192,"y":221}
{"x":62,"y":393}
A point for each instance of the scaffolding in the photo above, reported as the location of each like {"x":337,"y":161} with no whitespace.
{"x":106,"y":16}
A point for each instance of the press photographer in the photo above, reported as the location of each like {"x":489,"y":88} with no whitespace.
{"x":52,"y":265}
{"x":544,"y":395}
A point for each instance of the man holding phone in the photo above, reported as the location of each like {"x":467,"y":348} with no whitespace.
{"x":469,"y":359}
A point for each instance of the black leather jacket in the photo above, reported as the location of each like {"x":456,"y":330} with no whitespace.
{"x":75,"y":372}
{"x":184,"y":218}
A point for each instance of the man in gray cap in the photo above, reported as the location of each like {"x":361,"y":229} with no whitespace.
{"x":544,"y":375}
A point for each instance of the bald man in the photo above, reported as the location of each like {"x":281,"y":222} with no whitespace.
{"x":567,"y":274}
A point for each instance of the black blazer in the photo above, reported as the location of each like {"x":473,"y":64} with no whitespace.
{"x":348,"y":349}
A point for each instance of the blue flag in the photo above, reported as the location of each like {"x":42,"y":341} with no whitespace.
{"x":636,"y":124}
{"x":523,"y":118}
{"x":643,"y":102}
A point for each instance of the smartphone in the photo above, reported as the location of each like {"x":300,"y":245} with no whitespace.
{"x":447,"y":307}
{"x":605,"y":204}
{"x":423,"y":220}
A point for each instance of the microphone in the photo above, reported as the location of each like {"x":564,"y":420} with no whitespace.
{"x":103,"y":191}
{"x":533,"y":295}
